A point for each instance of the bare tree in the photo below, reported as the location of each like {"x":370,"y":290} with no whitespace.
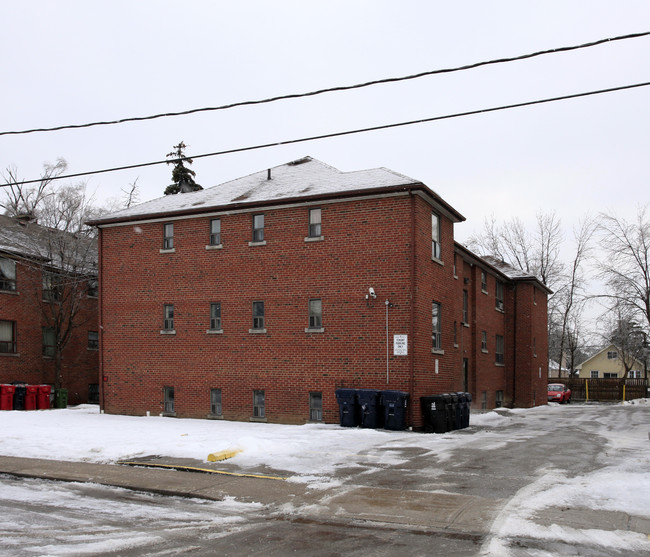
{"x":625,"y":264}
{"x":61,"y":249}
{"x":24,"y":199}
{"x":570,"y":298}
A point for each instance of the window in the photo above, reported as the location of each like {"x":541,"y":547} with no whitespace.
{"x":455,"y":268}
{"x":455,"y":333}
{"x":215,"y":232}
{"x":258,"y":404}
{"x":483,"y":281}
{"x":435,"y":236}
{"x":499,"y":295}
{"x":168,"y":235}
{"x":484,"y":400}
{"x":7,"y":274}
{"x":612,"y":355}
{"x":484,"y":341}
{"x":499,"y":399}
{"x":52,"y":286}
{"x":168,"y":317}
{"x":49,"y":342}
{"x":258,"y":316}
{"x":168,"y":400}
{"x":593,"y":374}
{"x":610,"y":375}
{"x":315,"y":313}
{"x":534,"y":347}
{"x":316,"y":407}
{"x":92,"y":288}
{"x":215,"y":316}
{"x":499,"y":349}
{"x":93,"y":393}
{"x":215,"y":402}
{"x":7,"y":337}
{"x":258,"y":228}
{"x":436,"y":336}
{"x":314,"y":223}
{"x":465,"y":307}
{"x":93,"y":340}
{"x":635,"y":374}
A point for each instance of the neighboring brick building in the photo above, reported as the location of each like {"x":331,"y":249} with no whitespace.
{"x":31,"y":298}
{"x":258,"y":298}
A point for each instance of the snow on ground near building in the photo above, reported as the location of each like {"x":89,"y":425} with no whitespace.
{"x":311,"y":453}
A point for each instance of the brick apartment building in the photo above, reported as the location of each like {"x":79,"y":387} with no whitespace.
{"x":258,"y":298}
{"x":32,"y":294}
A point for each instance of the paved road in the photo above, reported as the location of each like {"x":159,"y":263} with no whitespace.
{"x":396,"y":499}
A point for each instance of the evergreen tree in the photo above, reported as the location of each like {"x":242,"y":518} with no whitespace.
{"x":182,"y":177}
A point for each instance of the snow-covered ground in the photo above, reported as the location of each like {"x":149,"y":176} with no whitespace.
{"x":311,"y":453}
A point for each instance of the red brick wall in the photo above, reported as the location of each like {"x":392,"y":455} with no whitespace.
{"x":25,"y":307}
{"x":383,"y":243}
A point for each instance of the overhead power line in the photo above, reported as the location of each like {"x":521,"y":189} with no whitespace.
{"x":333,"y":89}
{"x":351,"y":132}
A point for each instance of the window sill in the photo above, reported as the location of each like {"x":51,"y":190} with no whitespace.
{"x":212,"y":247}
{"x":315,"y":330}
{"x":455,"y":345}
{"x":438,"y":261}
{"x":215,"y":417}
{"x":172,"y":250}
{"x":500,"y":310}
{"x":439,"y":351}
{"x":259,"y":420}
{"x":257,"y":331}
{"x":262,"y":243}
{"x":465,"y":324}
{"x":168,"y":414}
{"x":214,"y":332}
{"x":92,"y":349}
{"x":12,"y":292}
{"x":499,"y":365}
{"x":314,"y":238}
{"x":484,"y":291}
{"x":484,"y":351}
{"x":9,"y":354}
{"x":168,"y":332}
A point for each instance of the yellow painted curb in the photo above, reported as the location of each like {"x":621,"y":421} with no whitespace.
{"x":223,"y":455}
{"x":195,"y":469}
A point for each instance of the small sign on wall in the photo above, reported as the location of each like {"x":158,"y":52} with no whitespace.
{"x":400,"y":345}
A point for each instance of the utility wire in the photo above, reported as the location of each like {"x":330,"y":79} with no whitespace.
{"x":351,"y":132}
{"x":333,"y":89}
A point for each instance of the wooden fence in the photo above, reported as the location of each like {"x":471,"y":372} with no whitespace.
{"x":605,"y":389}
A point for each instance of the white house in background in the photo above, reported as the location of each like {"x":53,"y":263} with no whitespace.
{"x":608,"y":364}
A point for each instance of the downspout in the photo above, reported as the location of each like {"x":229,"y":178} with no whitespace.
{"x":101,"y":320}
{"x":412,"y":327}
{"x":514,"y":349}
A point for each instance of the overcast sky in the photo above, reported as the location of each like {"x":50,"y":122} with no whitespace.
{"x":73,"y":62}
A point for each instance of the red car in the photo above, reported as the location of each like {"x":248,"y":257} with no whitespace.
{"x":559,"y":393}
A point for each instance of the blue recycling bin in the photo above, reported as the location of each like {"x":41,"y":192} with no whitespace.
{"x":395,"y":405}
{"x":348,"y":411}
{"x":369,"y":402}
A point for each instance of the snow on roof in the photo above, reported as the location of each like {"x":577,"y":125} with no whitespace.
{"x":507,"y":269}
{"x":306,"y":177}
{"x":33,"y":241}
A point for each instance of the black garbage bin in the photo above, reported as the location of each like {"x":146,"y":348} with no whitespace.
{"x":452,"y":415}
{"x":348,"y":412}
{"x":435,"y":414}
{"x":369,"y":408}
{"x":394,"y":404}
{"x":461,"y":409}
{"x":19,"y":396}
{"x":468,"y":399}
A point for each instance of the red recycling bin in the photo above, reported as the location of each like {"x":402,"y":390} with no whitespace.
{"x":43,"y":399}
{"x":7,"y":397}
{"x":30,"y":397}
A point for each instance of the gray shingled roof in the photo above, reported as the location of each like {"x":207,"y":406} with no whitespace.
{"x":30,"y":240}
{"x":303,"y":178}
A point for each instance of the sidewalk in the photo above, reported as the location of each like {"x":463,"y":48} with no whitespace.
{"x":156,"y":480}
